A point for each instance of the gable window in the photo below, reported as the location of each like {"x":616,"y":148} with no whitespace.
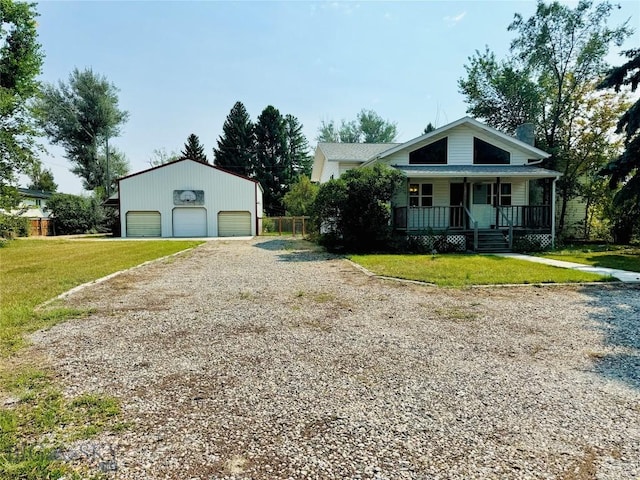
{"x":420,"y":194}
{"x":433,"y":154}
{"x":486,"y":154}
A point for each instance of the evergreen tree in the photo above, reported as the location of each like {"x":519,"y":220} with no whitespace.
{"x":236,"y":146}
{"x":271,"y":166}
{"x":626,"y":168}
{"x":428,"y":129}
{"x":194,"y":150}
{"x":298,"y":157}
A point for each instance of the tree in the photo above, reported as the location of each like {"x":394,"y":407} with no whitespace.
{"x":368,"y":127}
{"x":428,"y":129}
{"x":354,"y":211}
{"x":300,"y":197}
{"x":297,"y":146}
{"x":42,"y":179}
{"x":160,"y":156}
{"x":556,"y":57}
{"x":21,"y":61}
{"x":194,"y":150}
{"x":271,"y":167}
{"x":625,"y":169}
{"x":81,"y":116}
{"x":73,"y":214}
{"x":236,"y":146}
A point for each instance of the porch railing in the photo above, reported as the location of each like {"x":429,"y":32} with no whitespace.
{"x":525,"y":216}
{"x":504,"y":218}
{"x":425,"y":218}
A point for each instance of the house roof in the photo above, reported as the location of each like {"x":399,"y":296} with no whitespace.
{"x":27,"y":192}
{"x":353,"y":152}
{"x":469,"y":122}
{"x":425,"y":171}
{"x":188,"y":160}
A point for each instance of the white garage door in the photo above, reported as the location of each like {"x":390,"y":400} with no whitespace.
{"x":189,"y":222}
{"x":143,"y":224}
{"x":234,"y":224}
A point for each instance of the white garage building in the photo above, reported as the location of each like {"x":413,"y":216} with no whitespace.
{"x":188,"y":199}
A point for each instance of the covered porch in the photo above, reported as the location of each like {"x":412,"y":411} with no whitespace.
{"x":478,"y":208}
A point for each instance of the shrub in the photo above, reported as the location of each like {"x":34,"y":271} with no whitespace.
{"x":527,"y":244}
{"x":12,"y":226}
{"x":353,"y":212}
{"x":72,"y":213}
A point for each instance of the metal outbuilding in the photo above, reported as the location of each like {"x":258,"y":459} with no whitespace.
{"x":188,"y":199}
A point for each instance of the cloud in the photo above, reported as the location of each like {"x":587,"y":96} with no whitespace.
{"x":453,"y":21}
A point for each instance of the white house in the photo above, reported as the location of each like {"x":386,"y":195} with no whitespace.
{"x":188,"y":199}
{"x":466,"y":182}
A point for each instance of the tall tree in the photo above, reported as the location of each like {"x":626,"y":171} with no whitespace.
{"x":194,"y":150}
{"x":556,"y":56}
{"x":160,"y":156}
{"x":81,"y":116}
{"x":271,"y":167}
{"x":20,"y":63}
{"x":236,"y":146}
{"x":300,"y":197}
{"x":42,"y":179}
{"x":368,"y":127}
{"x":298,"y":157}
{"x":375,"y":129}
{"x":625,"y":169}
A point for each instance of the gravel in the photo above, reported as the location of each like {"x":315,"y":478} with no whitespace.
{"x":263,"y":359}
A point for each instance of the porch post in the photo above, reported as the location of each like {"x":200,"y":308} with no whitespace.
{"x":497,"y":201}
{"x":553,"y":212}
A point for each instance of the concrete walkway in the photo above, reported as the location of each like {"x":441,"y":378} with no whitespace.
{"x":622,"y":275}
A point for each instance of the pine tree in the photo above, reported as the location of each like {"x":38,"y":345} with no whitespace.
{"x":194,"y":150}
{"x":271,"y":166}
{"x":236,"y":146}
{"x":298,"y":156}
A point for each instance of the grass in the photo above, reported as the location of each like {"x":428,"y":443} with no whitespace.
{"x":33,"y":271}
{"x":38,"y":419}
{"x":619,"y":257}
{"x":466,"y":270}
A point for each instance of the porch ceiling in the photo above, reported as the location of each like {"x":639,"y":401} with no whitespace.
{"x":428,"y":171}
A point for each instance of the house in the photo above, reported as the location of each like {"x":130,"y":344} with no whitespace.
{"x":188,"y":199}
{"x":33,"y":205}
{"x":467,"y":184}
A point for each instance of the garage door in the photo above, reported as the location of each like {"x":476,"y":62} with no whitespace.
{"x":143,"y":224}
{"x":189,"y":222}
{"x":234,"y":224}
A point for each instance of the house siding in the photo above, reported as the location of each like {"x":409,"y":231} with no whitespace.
{"x":153,"y":191}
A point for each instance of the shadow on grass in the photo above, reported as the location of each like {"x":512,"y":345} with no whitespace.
{"x":295,"y":250}
{"x":619,"y":321}
{"x":620,"y":262}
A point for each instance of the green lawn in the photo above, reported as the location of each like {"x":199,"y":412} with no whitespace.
{"x":620,"y":257}
{"x":33,"y":271}
{"x":465,"y":270}
{"x":40,"y":418}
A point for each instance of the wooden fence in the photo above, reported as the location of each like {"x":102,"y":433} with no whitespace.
{"x":40,"y":227}
{"x":284,"y":226}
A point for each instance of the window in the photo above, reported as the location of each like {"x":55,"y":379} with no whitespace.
{"x":433,"y":154}
{"x":485,"y":193}
{"x":420,"y":194}
{"x":486,"y":154}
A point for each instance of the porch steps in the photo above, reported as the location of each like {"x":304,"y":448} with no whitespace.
{"x":492,"y":241}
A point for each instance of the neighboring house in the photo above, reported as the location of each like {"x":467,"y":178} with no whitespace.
{"x":467,"y":184}
{"x":188,"y":199}
{"x":33,"y":203}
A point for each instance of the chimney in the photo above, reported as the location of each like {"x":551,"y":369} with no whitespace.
{"x":525,"y":133}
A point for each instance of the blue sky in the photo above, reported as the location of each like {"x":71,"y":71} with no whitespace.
{"x":180,"y":66}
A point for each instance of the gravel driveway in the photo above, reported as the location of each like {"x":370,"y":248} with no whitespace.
{"x":253,"y":359}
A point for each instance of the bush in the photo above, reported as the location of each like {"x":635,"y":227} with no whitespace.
{"x":12,"y":226}
{"x":72,"y":213}
{"x":527,"y":245}
{"x":353,"y":212}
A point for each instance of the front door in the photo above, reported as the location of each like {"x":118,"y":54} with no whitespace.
{"x":481,"y":205}
{"x":456,"y":202}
